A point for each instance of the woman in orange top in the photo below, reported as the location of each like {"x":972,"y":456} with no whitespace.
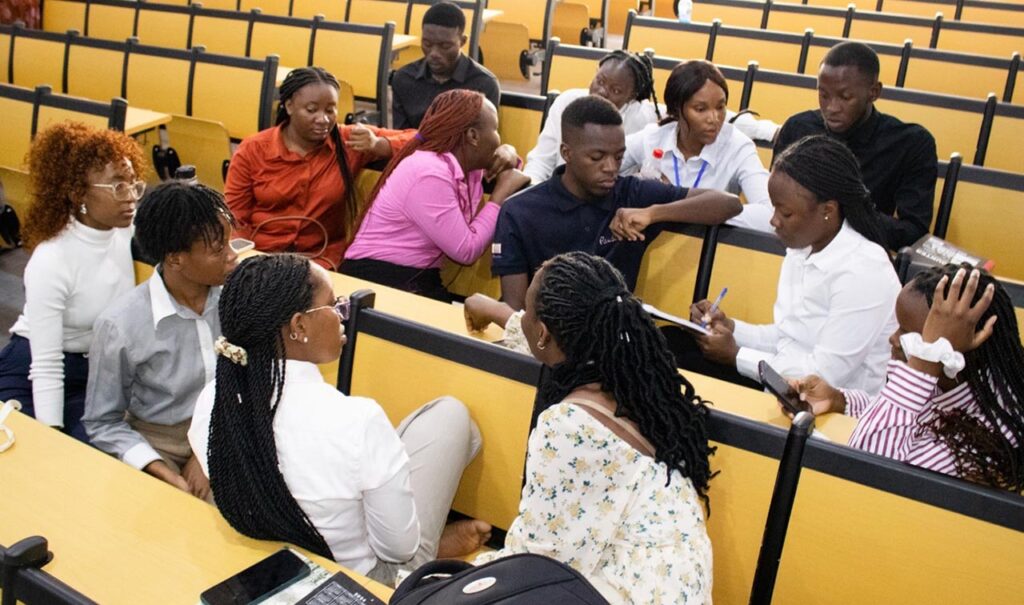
{"x":291,"y":187}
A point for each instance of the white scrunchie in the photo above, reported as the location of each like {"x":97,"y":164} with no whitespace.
{"x":940,"y":351}
{"x":234,"y":353}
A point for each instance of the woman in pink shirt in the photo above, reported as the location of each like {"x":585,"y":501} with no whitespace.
{"x":426,"y":205}
{"x":954,"y":397}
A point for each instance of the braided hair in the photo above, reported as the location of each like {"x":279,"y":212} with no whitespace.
{"x":829,"y":170}
{"x":259,"y":297}
{"x":442,"y":130}
{"x":608,"y":338}
{"x":293,"y":83}
{"x":642,"y":67}
{"x":175,"y":214}
{"x":988,"y":447}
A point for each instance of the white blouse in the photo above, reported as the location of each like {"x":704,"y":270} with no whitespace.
{"x":834,"y":313}
{"x":69,"y":280}
{"x":343,"y":463}
{"x":729,"y":164}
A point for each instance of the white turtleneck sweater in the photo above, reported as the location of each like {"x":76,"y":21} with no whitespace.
{"x":69,"y":280}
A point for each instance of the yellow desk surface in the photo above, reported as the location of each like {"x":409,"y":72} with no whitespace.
{"x":138,"y":120}
{"x":117,"y":534}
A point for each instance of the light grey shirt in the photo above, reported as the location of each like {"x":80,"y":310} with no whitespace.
{"x":150,"y":356}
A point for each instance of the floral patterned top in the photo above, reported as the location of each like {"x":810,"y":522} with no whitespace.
{"x":594,"y":502}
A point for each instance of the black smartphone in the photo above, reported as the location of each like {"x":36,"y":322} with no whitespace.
{"x":778,"y":386}
{"x":258,"y":582}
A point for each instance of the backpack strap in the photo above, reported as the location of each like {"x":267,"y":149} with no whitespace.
{"x":610,"y":420}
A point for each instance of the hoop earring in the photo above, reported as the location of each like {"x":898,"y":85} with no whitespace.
{"x":293,"y":336}
{"x":540,"y":345}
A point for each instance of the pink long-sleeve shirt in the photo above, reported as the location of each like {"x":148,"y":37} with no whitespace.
{"x":424,"y":212}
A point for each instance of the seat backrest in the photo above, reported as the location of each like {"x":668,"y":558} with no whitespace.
{"x":955,"y":122}
{"x":379,"y":12}
{"x":38,"y":58}
{"x":956,"y":73}
{"x":1004,"y":145}
{"x":225,"y":5}
{"x":796,"y":18}
{"x":777,"y":96}
{"x":668,"y":38}
{"x":280,"y":8}
{"x":991,"y":40}
{"x":358,"y":54}
{"x":157,"y":78}
{"x":568,"y":66}
{"x":919,"y":8}
{"x":986,"y":204}
{"x":234,"y":91}
{"x":894,"y":29}
{"x":222,"y":32}
{"x":158,"y":26}
{"x":6,"y":31}
{"x":536,"y":15}
{"x":111,"y":19}
{"x":287,"y":38}
{"x":61,"y":15}
{"x":569,"y":21}
{"x":734,"y":13}
{"x":995,"y":13}
{"x":55,"y":108}
{"x":95,"y":68}
{"x":332,"y":10}
{"x":17,"y":107}
{"x":889,"y":57}
{"x":520,"y":118}
{"x":772,"y":50}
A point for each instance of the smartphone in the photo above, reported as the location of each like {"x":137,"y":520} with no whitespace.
{"x":252,"y":585}
{"x":240,"y":245}
{"x":778,"y":386}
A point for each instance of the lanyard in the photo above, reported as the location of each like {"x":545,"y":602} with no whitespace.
{"x":700,"y":173}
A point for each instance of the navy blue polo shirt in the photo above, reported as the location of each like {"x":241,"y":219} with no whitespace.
{"x":546,"y":220}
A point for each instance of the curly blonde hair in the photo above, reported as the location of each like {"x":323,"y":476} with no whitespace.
{"x":59,"y":163}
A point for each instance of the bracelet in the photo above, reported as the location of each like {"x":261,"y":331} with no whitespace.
{"x":940,"y":351}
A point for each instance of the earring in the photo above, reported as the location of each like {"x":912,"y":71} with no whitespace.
{"x":83,"y":209}
{"x":305,"y":339}
{"x":541,"y":345}
{"x":826,"y":217}
{"x":293,"y":336}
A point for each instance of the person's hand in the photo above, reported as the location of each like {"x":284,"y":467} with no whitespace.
{"x":160,"y":470}
{"x":504,"y":158}
{"x":477,"y":311}
{"x":820,"y":395}
{"x":195,"y":478}
{"x":362,"y":139}
{"x":700,"y":313}
{"x":508,"y":183}
{"x":954,"y":318}
{"x":719,"y":346}
{"x":629,"y":224}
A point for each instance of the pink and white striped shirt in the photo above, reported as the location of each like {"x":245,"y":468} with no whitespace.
{"x":891,"y":424}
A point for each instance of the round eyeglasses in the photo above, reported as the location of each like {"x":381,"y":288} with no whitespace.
{"x":342,"y":306}
{"x":124,"y":190}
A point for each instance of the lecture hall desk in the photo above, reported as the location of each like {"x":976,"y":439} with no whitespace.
{"x":117,"y":534}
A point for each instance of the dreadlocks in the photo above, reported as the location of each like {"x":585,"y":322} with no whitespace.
{"x":608,"y":338}
{"x":989,"y":449}
{"x":175,"y":214}
{"x":829,"y":170}
{"x":442,"y":130}
{"x":259,"y":297}
{"x":295,"y":81}
{"x":642,"y":67}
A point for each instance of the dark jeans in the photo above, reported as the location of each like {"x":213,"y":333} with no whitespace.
{"x":425,"y":282}
{"x":15,"y":361}
{"x":689,"y":357}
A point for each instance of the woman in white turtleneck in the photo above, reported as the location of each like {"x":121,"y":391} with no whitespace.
{"x":85,"y":185}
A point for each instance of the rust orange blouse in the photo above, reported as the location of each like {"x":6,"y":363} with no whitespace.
{"x":274,"y":192}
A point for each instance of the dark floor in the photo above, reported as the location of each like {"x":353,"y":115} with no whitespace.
{"x":12,"y":290}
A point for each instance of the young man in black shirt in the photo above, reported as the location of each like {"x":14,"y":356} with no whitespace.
{"x":897,"y":160}
{"x":586,"y":206}
{"x":442,"y":68}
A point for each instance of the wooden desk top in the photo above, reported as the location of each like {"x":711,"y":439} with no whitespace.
{"x":138,"y":120}
{"x":117,"y":534}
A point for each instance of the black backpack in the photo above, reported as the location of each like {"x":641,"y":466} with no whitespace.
{"x":522,"y":579}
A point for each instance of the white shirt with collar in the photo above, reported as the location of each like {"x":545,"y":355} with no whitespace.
{"x":343,"y":463}
{"x":834,"y":314}
{"x":729,"y":164}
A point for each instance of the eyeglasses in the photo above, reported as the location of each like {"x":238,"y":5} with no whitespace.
{"x":125,"y":191}
{"x":5,"y":410}
{"x":341,"y":305}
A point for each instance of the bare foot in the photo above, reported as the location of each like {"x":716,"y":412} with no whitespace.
{"x":461,"y":538}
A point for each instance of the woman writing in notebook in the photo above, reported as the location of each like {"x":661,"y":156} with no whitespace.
{"x":623,"y":441}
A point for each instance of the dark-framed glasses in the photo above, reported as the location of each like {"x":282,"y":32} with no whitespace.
{"x":342,"y":306}
{"x":125,"y":191}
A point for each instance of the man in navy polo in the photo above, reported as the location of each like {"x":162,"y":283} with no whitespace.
{"x":587,"y":206}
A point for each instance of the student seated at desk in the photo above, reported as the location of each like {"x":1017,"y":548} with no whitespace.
{"x":954,"y":398}
{"x":426,"y":205}
{"x":627,"y":81}
{"x":290,"y":458}
{"x":587,"y":206}
{"x":618,"y":465}
{"x":442,"y":68}
{"x":85,"y":184}
{"x":837,"y":286}
{"x":698,"y":148}
{"x":152,"y":350}
{"x":292,"y":187}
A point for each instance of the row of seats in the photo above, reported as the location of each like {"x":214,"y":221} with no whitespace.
{"x":359,"y":54}
{"x":986,"y":133}
{"x":903,"y":66}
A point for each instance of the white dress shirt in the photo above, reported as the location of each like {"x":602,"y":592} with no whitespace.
{"x":729,"y":164}
{"x":546,"y":155}
{"x":343,"y":463}
{"x":69,"y":281}
{"x":834,"y":313}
